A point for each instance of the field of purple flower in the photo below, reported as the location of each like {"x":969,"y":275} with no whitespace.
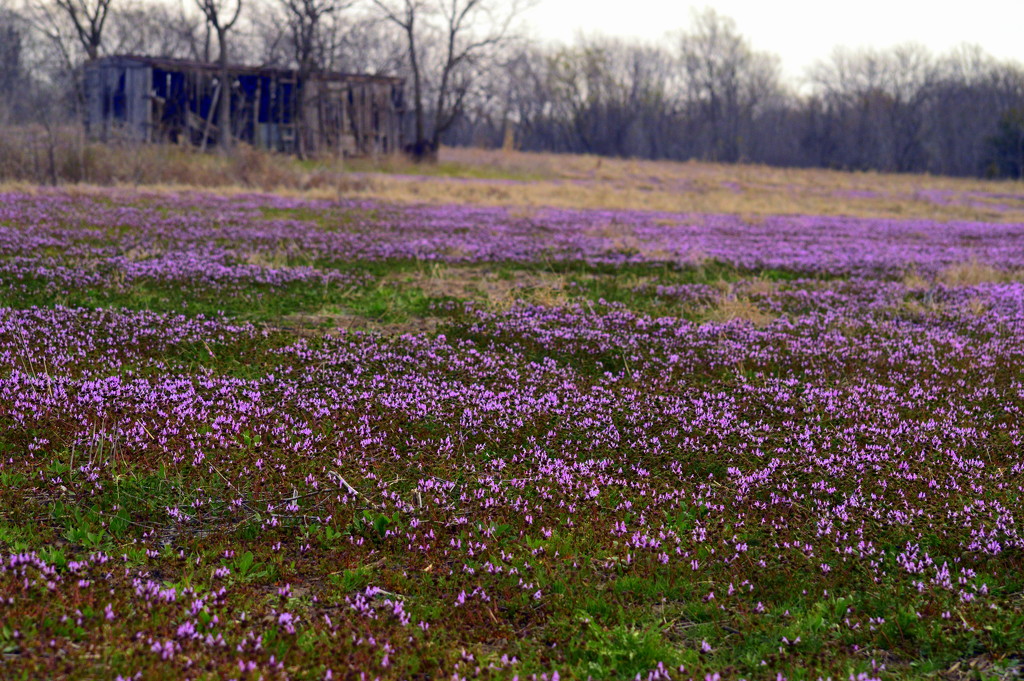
{"x":250,"y":436}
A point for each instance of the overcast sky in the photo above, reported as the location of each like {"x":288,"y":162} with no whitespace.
{"x":799,"y":31}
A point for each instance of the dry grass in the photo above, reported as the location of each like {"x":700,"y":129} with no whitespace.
{"x":913,"y":308}
{"x":983,"y":667}
{"x":733,"y":308}
{"x":487,"y":288}
{"x":140,"y":253}
{"x":330,"y":322}
{"x":274,"y":259}
{"x":759,"y":286}
{"x":34,"y":155}
{"x":977,"y":307}
{"x":750,"y":190}
{"x":622,"y":239}
{"x":523,"y":181}
{"x":973,"y":273}
{"x":915,"y":282}
{"x":970,"y":273}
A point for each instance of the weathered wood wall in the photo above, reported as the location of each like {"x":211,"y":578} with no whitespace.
{"x":355,"y":116}
{"x":114,"y":105}
{"x":163,"y":100}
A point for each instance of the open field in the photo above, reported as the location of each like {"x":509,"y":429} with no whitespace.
{"x":515,"y":179}
{"x":410,"y":429}
{"x":550,"y":180}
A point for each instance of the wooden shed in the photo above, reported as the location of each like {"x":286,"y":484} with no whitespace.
{"x":150,"y":99}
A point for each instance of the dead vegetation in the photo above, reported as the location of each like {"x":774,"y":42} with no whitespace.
{"x":915,"y":282}
{"x":491,"y":289}
{"x":735,"y":308}
{"x":331,"y":323}
{"x":59,"y":156}
{"x":622,"y":239}
{"x":970,"y":273}
{"x":526,"y":182}
{"x":983,"y":667}
{"x":973,"y":273}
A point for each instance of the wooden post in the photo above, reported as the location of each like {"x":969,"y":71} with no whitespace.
{"x":214,"y":101}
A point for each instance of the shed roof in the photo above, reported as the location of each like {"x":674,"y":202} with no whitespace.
{"x":170,"y":64}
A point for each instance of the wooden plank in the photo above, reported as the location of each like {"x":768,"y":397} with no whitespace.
{"x":214,"y":103}
{"x":138,"y":106}
{"x":95,"y":93}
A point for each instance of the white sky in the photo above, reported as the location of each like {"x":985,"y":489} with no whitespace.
{"x":799,"y":31}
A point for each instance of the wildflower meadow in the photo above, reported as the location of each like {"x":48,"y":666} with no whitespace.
{"x":253,"y":436}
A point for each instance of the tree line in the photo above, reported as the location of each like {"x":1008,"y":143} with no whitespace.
{"x":474,"y":78}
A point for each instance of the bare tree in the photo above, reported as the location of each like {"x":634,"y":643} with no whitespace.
{"x":305,"y":23}
{"x":269,"y":41}
{"x":73,"y":30}
{"x":363,"y":44}
{"x":465,"y":31}
{"x":404,"y":14}
{"x":529,"y":101}
{"x":155,"y":28}
{"x":305,"y":18}
{"x":221,"y":16}
{"x":970,"y":96}
{"x":88,"y":18}
{"x":725,"y":80}
{"x":611,"y":95}
{"x":880,"y":100}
